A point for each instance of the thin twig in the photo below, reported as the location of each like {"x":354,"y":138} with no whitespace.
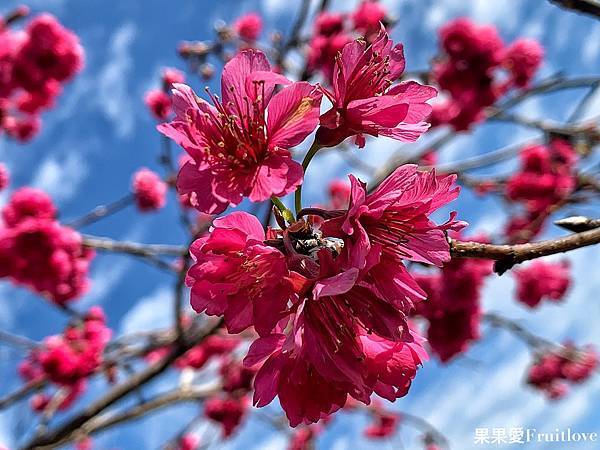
{"x":17,"y":340}
{"x":132,"y":248}
{"x":102,"y":211}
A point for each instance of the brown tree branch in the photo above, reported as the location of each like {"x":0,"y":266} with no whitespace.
{"x":506,"y":256}
{"x":132,"y":248}
{"x":103,"y":422}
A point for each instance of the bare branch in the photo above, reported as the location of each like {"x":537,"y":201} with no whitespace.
{"x":99,"y":212}
{"x":506,"y":256}
{"x":103,"y":422}
{"x":132,"y":248}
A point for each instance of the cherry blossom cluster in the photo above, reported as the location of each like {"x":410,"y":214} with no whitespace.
{"x":38,"y":252}
{"x":542,"y":281}
{"x":35,"y":63}
{"x":546,"y":178}
{"x":555,"y":369}
{"x":453,"y":308}
{"x":67,"y":360}
{"x":476,"y":69}
{"x":329,"y":301}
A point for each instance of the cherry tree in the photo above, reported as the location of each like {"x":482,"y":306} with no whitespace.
{"x":311,"y":308}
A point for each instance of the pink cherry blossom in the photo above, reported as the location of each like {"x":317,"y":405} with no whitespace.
{"x":159,"y":103}
{"x":523,"y":58}
{"x":149,"y":190}
{"x":542,"y":281}
{"x":235,"y":275}
{"x":227,"y":411}
{"x":240,"y":146}
{"x":395,"y":218}
{"x":368,"y":16}
{"x":249,"y":27}
{"x":364,"y":101}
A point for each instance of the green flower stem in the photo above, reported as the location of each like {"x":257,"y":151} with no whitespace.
{"x":312,"y":151}
{"x":286,"y":213}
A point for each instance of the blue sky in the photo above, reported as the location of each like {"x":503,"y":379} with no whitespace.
{"x":100,"y":133}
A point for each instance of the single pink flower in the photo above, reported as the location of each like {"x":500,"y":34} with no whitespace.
{"x":395,"y":218}
{"x":240,"y":146}
{"x":227,"y":411}
{"x":172,"y":76}
{"x":364,"y":101}
{"x":523,"y":58}
{"x":385,"y":424}
{"x":249,"y":27}
{"x":159,"y":103}
{"x":149,"y":190}
{"x":368,"y":16}
{"x":236,"y":276}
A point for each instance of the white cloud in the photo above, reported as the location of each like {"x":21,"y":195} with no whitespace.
{"x":52,"y":174}
{"x":151,"y":312}
{"x":113,"y":94}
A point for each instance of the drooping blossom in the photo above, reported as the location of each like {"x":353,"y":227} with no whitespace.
{"x":38,"y":252}
{"x":368,"y":17}
{"x":332,"y":317}
{"x":364,"y":100}
{"x":149,"y":190}
{"x":240,"y":146}
{"x":227,"y":411}
{"x":159,"y":104}
{"x":236,"y":276}
{"x":554,"y":369}
{"x":249,"y":27}
{"x":542,"y":281}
